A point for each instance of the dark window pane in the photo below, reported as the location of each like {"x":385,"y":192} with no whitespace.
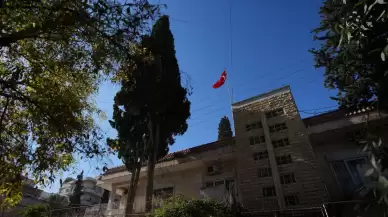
{"x":251,"y":141}
{"x":209,"y":184}
{"x":291,"y":200}
{"x":218,"y":182}
{"x":269,"y":192}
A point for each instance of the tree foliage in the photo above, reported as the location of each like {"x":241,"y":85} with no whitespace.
{"x":180,"y":207}
{"x":38,"y":210}
{"x":152,"y":91}
{"x":75,"y":199}
{"x":354,"y":50}
{"x":224,"y":129}
{"x":132,"y":131}
{"x":53,"y":56}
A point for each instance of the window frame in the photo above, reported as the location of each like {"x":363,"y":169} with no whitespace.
{"x":163,"y":192}
{"x":281,"y":127}
{"x":294,"y":197}
{"x":284,"y":159}
{"x":280,"y":143}
{"x":264,"y":172}
{"x":271,"y":189}
{"x":219,"y":182}
{"x":349,"y":173}
{"x":260,"y":155}
{"x":283,"y":178}
{"x":256,"y":140}
{"x":253,"y":126}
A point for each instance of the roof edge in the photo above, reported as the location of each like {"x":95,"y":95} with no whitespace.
{"x":262,"y":96}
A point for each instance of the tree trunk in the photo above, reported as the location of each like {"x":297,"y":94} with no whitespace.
{"x":132,"y":188}
{"x":129,"y":206}
{"x":151,"y":169}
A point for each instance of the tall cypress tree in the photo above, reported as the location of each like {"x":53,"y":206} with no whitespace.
{"x":224,"y":129}
{"x":152,"y":96}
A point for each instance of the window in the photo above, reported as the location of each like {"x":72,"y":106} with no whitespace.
{"x":349,"y":175}
{"x":218,"y":182}
{"x":264,"y":172}
{"x":229,"y":183}
{"x":253,"y":126}
{"x":280,"y":143}
{"x":275,"y":113}
{"x":286,"y":159}
{"x":164,"y":192}
{"x":260,"y":155}
{"x":287,"y":178}
{"x":256,"y":140}
{"x":209,"y":184}
{"x":269,"y":191}
{"x":210,"y":169}
{"x":291,"y":200}
{"x":278,"y":127}
{"x":89,"y":199}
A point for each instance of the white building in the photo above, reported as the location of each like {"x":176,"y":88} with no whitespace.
{"x":92,"y":194}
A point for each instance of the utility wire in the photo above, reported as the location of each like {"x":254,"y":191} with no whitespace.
{"x":214,"y":103}
{"x":279,"y":69}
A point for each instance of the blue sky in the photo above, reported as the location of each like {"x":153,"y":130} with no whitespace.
{"x":270,"y":43}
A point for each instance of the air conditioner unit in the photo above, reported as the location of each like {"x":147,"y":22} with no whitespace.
{"x":213,"y":169}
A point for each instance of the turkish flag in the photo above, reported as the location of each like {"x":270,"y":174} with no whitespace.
{"x":220,"y":81}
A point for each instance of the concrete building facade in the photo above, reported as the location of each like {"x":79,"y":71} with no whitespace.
{"x":276,"y":161}
{"x":92,"y":193}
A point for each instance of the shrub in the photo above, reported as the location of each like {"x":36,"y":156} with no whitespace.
{"x":180,"y":207}
{"x":38,"y":210}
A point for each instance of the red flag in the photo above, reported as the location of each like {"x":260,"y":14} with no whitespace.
{"x":220,"y":81}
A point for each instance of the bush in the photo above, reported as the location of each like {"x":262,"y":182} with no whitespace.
{"x":39,"y":210}
{"x":181,"y":207}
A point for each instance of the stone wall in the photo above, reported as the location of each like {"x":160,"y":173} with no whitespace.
{"x":308,"y":188}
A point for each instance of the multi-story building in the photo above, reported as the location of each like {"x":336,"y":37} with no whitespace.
{"x":276,"y":161}
{"x":92,"y":193}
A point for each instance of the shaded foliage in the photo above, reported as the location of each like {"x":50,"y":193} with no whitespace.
{"x":153,"y":94}
{"x":180,"y":207}
{"x":38,"y":210}
{"x":53,"y":56}
{"x":353,"y":50}
{"x":224,"y":129}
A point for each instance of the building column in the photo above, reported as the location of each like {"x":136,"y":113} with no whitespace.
{"x":112,"y":197}
{"x":272,"y":161}
{"x":123,"y":201}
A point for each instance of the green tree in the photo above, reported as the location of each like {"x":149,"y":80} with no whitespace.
{"x":353,"y":50}
{"x":53,"y":56}
{"x":224,"y":129}
{"x":132,"y":130}
{"x":153,"y":91}
{"x":75,"y":199}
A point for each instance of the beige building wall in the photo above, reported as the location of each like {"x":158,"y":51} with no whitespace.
{"x":190,"y":182}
